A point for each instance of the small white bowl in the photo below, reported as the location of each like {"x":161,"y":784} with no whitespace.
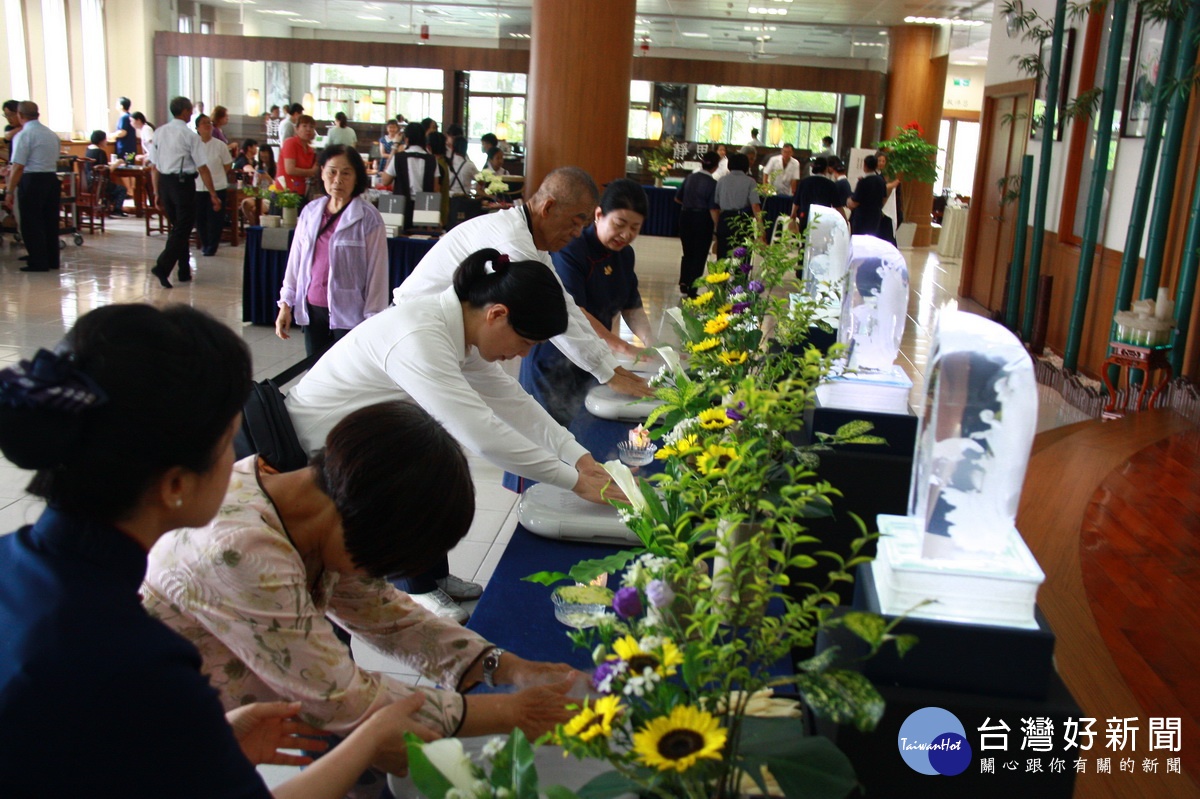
{"x":269,"y":220}
{"x":636,"y":456}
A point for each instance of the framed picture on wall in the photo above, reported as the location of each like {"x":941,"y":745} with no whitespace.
{"x":1064,"y":87}
{"x":279,"y":83}
{"x":1143,"y":80}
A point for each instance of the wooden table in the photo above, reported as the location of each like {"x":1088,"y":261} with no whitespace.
{"x":138,"y":176}
{"x":1131,"y":356}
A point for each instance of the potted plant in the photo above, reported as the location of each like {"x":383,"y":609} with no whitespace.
{"x":660,"y":160}
{"x":912,"y":159}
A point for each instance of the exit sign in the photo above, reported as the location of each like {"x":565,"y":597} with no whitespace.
{"x":962,"y":81}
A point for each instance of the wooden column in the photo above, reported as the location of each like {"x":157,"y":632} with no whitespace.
{"x":580,"y":65}
{"x":916,"y":88}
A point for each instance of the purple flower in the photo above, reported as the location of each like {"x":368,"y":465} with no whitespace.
{"x":740,"y":307}
{"x":606,"y":671}
{"x":735,"y":415}
{"x":739,"y":289}
{"x":756,"y":286}
{"x":659,"y":594}
{"x":627,"y":602}
{"x":739,"y":252}
{"x":745,"y":268}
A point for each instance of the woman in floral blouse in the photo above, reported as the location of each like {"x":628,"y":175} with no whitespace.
{"x":252,"y":589}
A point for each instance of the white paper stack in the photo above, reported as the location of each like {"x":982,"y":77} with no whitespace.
{"x":878,"y":391}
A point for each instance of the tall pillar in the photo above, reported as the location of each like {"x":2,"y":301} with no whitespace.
{"x":577,"y":108}
{"x":916,"y":89}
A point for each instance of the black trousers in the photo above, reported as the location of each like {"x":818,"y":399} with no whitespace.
{"x":209,"y":223}
{"x":179,"y":201}
{"x":318,"y":338}
{"x":696,"y":234}
{"x":425,"y":582}
{"x":726,"y":231}
{"x":38,"y":200}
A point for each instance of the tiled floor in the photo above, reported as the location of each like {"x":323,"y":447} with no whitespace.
{"x":36,"y":309}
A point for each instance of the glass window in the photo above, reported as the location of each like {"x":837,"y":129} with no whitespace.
{"x":731,"y":94}
{"x":18,"y":68}
{"x":640,"y":91}
{"x":497,"y":82}
{"x":496,"y":99}
{"x":795,"y":100}
{"x":377,"y":94}
{"x":95,"y":70}
{"x":60,"y":111}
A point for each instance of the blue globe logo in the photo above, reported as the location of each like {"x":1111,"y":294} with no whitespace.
{"x":933,"y":741}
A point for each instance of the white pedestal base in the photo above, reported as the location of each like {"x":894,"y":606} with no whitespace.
{"x":553,"y":512}
{"x":886,"y":392}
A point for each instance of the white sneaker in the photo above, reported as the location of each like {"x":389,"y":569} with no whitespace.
{"x":439,"y":603}
{"x":458,"y":589}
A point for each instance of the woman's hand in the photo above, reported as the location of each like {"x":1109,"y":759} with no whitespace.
{"x":387,"y":727}
{"x":523,"y":673}
{"x":536,"y":711}
{"x":262,"y":729}
{"x":624,"y":381}
{"x":593,"y":480}
{"x":283,"y":321}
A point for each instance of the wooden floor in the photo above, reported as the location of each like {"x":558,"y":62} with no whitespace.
{"x":1111,"y":510}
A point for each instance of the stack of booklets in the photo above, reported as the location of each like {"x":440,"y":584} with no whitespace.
{"x":879,"y":391}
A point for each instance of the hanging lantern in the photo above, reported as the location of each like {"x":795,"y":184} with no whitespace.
{"x":645,"y":45}
{"x":654,"y":126}
{"x":502,"y":131}
{"x":424,"y":33}
{"x":253,"y":102}
{"x":310,"y":104}
{"x":775,"y":131}
{"x":365,"y":107}
{"x":716,"y":127}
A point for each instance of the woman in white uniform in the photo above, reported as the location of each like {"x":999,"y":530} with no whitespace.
{"x":441,"y":350}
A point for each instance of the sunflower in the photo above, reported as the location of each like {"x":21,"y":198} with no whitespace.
{"x":701,"y":346}
{"x":629,"y":650}
{"x":714,"y":419}
{"x":732,"y":357}
{"x":702,"y":299}
{"x":679,"y":740}
{"x":715,"y":460}
{"x":716,"y":277}
{"x":716,"y":324}
{"x":726,"y":308}
{"x":594,"y":720}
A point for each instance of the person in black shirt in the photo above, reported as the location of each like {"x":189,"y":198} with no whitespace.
{"x":814,"y":189}
{"x":838,"y":168}
{"x":697,"y":221}
{"x":866,"y":204}
{"x":97,"y":156}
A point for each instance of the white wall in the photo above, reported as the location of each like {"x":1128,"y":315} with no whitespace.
{"x":964,"y":98}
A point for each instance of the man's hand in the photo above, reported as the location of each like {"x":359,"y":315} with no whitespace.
{"x":216,"y":201}
{"x":262,"y":729}
{"x":593,"y":480}
{"x":626,"y":382}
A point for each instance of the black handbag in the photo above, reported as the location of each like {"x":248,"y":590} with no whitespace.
{"x":462,"y":209}
{"x":267,"y":430}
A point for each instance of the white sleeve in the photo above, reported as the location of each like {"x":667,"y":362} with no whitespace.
{"x":426,"y":367}
{"x":580,"y":343}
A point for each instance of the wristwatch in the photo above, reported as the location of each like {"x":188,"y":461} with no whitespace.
{"x":491,"y":663}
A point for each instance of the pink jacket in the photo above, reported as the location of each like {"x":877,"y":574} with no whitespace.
{"x":358,"y":265}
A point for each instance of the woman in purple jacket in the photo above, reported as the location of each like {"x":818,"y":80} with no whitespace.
{"x":337,"y":272}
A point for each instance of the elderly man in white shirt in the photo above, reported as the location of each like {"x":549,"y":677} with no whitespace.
{"x":783,"y":170}
{"x":557,"y":212}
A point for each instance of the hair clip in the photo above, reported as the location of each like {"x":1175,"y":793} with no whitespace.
{"x":51,"y":380}
{"x":499,"y":262}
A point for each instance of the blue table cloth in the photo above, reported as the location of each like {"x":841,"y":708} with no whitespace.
{"x":263,"y":270}
{"x":663,"y":216}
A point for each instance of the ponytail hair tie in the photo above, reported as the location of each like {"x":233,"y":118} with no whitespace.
{"x":500,"y":263}
{"x":50,"y":381}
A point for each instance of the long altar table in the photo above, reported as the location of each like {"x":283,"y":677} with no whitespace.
{"x":263,"y":269}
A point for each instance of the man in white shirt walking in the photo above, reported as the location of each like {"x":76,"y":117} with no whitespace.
{"x":177,"y":156}
{"x":557,"y":212}
{"x":34,"y":163}
{"x":783,"y":171}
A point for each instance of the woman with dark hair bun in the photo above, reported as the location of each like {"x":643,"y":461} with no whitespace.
{"x":316,"y":542}
{"x":441,"y":351}
{"x":597,"y":270}
{"x":129,"y":424}
{"x":337,"y":272}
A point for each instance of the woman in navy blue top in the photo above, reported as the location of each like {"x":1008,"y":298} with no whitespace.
{"x":130,"y":426}
{"x":597,"y":271}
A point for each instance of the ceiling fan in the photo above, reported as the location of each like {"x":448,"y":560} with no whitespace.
{"x":759,"y":52}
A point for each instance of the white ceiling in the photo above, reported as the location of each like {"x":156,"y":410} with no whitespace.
{"x":808,"y":29}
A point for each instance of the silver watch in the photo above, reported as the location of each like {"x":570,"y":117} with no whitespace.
{"x":491,"y":663}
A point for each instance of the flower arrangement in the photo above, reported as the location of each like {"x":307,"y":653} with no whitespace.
{"x":281,"y":198}
{"x":660,"y":160}
{"x":495,"y":184}
{"x":728,"y":583}
{"x":910,"y":155}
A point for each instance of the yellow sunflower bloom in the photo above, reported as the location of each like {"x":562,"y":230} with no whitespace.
{"x":702,"y":346}
{"x":726,"y":308}
{"x":679,"y":740}
{"x":732,"y":357}
{"x":714,"y":419}
{"x":716,"y":324}
{"x":594,"y":720}
{"x":687,"y":444}
{"x":715,"y":460}
{"x":717,"y":277}
{"x":703,"y":299}
{"x":629,"y":650}
{"x":664,"y":452}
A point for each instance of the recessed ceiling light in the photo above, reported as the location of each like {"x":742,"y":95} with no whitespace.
{"x":967,"y":23}
{"x":241,"y":2}
{"x":774,"y":12}
{"x":278,"y":12}
{"x":868,"y":44}
{"x":495,"y":14}
{"x":692,"y":35}
{"x":308,"y":21}
{"x":519,"y":35}
{"x":371,"y":17}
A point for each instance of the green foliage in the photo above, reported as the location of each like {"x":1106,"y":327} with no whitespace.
{"x":909,"y":156}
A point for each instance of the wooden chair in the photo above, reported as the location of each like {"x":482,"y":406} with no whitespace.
{"x":92,"y":200}
{"x":151,"y":213}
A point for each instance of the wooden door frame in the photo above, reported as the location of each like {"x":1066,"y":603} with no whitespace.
{"x":990,"y":94}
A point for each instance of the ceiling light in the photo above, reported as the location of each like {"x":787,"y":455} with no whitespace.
{"x":371,"y":17}
{"x":279,"y":13}
{"x":495,"y":14}
{"x":868,"y":44}
{"x":519,"y":35}
{"x":691,"y":35}
{"x":967,"y":23}
{"x":308,"y":21}
{"x":774,"y":12}
{"x":242,"y":3}
{"x":760,"y":28}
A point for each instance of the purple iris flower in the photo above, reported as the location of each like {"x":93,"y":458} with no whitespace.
{"x":736,"y":413}
{"x":756,"y":286}
{"x":740,"y":307}
{"x":738,"y":289}
{"x":745,"y":268}
{"x":739,"y":252}
{"x":627,"y":602}
{"x":605,"y":670}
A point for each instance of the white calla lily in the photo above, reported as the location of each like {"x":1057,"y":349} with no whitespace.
{"x":625,"y":480}
{"x":671,"y":359}
{"x":448,"y":757}
{"x":676,"y":317}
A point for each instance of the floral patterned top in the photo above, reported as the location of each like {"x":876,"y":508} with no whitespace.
{"x":238,"y":590}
